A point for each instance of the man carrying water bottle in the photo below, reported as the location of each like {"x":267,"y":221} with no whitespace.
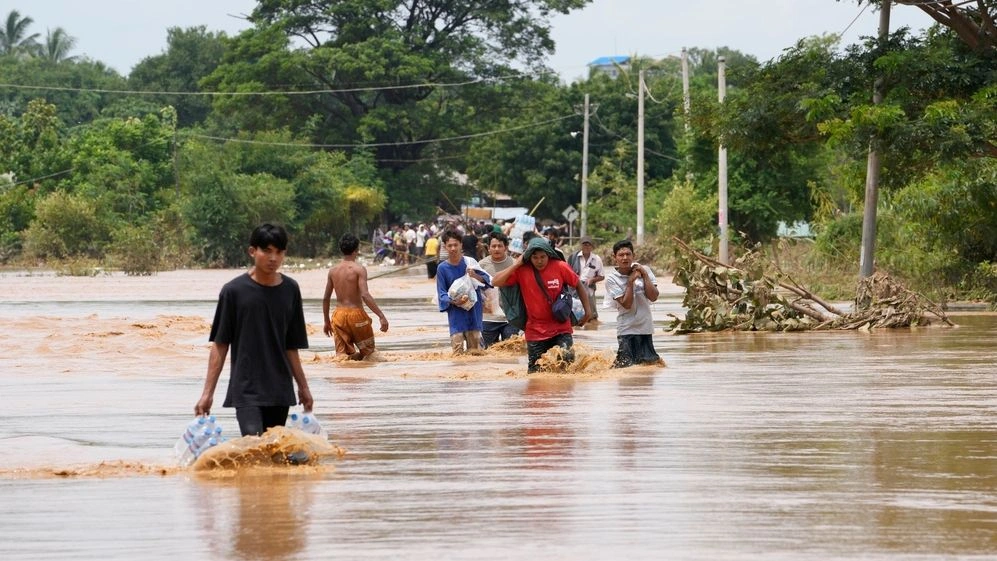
{"x":260,"y":316}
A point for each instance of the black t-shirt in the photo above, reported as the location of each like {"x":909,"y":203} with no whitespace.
{"x":260,"y":323}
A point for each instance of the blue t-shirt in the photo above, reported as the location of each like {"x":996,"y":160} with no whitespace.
{"x":460,"y":320}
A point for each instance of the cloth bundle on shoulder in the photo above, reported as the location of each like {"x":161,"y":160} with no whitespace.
{"x":511,"y":301}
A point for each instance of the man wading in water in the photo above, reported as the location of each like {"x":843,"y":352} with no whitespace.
{"x":349,"y":325}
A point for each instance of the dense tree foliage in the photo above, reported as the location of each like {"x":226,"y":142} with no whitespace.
{"x":191,"y":54}
{"x":377,"y":62}
{"x":334,"y":115}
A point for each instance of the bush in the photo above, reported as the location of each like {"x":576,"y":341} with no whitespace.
{"x":66,"y":226}
{"x":135,"y":251}
{"x":688,"y":216}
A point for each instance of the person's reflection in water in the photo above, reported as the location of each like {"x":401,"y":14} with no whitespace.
{"x":546,"y":436}
{"x":628,"y":422}
{"x":269,"y":513}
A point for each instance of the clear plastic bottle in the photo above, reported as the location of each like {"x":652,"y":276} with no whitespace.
{"x":193,"y":429}
{"x":191,"y":451}
{"x":212,"y":441}
{"x":294,"y":421}
{"x":310,"y":424}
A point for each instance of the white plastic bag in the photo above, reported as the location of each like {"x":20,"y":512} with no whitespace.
{"x":465,"y":285}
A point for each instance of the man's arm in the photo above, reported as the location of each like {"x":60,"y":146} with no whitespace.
{"x":216,"y":360}
{"x":368,"y":299}
{"x":627,"y":300}
{"x":650,"y":289}
{"x":326,"y":298}
{"x":442,"y":291}
{"x":502,"y":277}
{"x":304,"y":394}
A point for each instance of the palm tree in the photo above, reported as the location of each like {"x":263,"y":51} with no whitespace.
{"x":57,"y":45}
{"x":14,"y":39}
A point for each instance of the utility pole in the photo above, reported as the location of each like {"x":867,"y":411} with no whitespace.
{"x":583,"y":229}
{"x":640,"y":159}
{"x":868,"y":255}
{"x":686,"y":104}
{"x":687,"y":112}
{"x":722,"y":166}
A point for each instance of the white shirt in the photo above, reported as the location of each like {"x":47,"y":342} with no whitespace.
{"x":637,"y":320}
{"x":589,"y":268}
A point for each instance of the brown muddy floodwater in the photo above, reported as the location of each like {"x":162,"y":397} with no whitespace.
{"x":877,"y":445}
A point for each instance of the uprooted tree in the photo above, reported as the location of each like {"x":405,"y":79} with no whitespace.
{"x":744,"y":296}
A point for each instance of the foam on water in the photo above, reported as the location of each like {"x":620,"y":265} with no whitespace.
{"x":273,"y":448}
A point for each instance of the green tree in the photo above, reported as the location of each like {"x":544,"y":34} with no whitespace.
{"x":58,"y":44}
{"x":973,"y":22}
{"x":73,"y":82}
{"x":66,"y":226}
{"x":378,"y":61}
{"x":191,"y":54}
{"x":125,"y":165}
{"x":31,"y":144}
{"x":14,"y":38}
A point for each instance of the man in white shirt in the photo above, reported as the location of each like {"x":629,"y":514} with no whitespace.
{"x":632,"y":287}
{"x":588,"y":266}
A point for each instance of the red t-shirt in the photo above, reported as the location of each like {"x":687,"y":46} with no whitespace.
{"x":540,"y":323}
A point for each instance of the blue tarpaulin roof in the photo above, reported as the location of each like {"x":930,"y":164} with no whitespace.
{"x":608,"y":60}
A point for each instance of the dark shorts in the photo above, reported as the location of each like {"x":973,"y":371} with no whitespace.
{"x":494,"y":331}
{"x":256,"y":420}
{"x":635,"y":349}
{"x":536,"y":349}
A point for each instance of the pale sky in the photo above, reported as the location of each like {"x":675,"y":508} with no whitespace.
{"x":121,"y":33}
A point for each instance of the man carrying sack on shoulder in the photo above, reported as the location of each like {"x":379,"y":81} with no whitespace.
{"x":541,"y":276}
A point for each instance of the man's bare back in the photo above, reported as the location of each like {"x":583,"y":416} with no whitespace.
{"x":348,"y":280}
{"x":345,"y":278}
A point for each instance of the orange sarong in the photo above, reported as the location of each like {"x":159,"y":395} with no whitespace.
{"x":352,"y":328}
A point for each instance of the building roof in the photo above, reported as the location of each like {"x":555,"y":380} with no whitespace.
{"x":610,"y":60}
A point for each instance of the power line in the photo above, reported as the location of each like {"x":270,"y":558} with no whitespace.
{"x":272,"y":92}
{"x":627,"y":140}
{"x":384,"y":144}
{"x":855,"y":19}
{"x":340,"y":146}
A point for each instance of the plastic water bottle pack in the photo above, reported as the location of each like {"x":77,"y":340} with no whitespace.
{"x":305,"y":422}
{"x":200,"y":434}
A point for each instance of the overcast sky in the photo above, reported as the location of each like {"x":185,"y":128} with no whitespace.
{"x":121,"y":33}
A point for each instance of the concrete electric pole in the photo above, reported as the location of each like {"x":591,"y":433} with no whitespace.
{"x":583,"y":230}
{"x":640,"y":159}
{"x":722,"y":168}
{"x":867,"y":257}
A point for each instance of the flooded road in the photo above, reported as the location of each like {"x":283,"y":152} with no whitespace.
{"x":877,"y":445}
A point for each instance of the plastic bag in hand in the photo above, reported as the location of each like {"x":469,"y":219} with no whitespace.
{"x":461,"y":287}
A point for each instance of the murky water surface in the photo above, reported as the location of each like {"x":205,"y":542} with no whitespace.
{"x":747,"y":446}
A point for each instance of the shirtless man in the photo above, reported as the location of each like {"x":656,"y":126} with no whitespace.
{"x":350,"y":326}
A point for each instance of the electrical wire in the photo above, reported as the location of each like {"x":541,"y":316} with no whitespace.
{"x":275,"y":92}
{"x":385,"y":144}
{"x":855,"y":19}
{"x":627,"y":140}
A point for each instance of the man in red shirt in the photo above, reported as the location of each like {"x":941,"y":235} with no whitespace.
{"x":543,"y":332}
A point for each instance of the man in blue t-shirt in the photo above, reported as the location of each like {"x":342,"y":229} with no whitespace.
{"x":260,"y":316}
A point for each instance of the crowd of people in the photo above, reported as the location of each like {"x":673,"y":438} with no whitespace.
{"x":480,"y":285}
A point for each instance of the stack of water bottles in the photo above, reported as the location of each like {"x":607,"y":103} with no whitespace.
{"x":305,"y":422}
{"x":201,"y":433}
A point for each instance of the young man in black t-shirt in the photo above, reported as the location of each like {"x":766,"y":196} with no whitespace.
{"x":260,"y":316}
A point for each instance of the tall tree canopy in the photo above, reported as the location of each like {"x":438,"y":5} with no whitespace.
{"x":973,"y":20}
{"x":398,"y":75}
{"x":14,"y":38}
